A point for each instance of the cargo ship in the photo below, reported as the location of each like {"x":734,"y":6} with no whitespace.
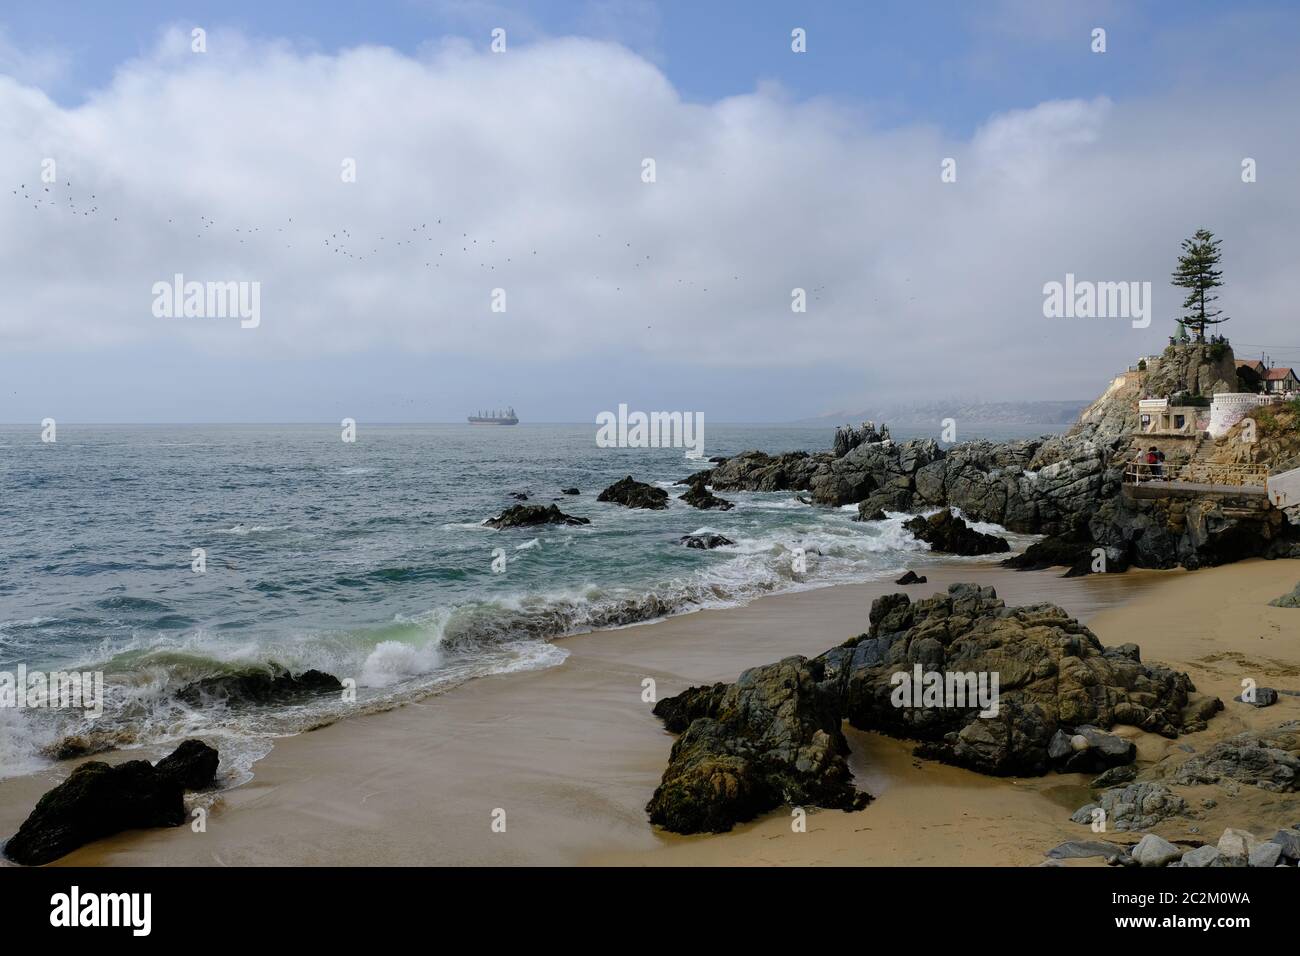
{"x":495,"y":418}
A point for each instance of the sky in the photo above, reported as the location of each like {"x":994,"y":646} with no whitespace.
{"x":433,"y":226}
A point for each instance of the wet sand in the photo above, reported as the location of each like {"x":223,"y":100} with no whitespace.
{"x":571,"y":754}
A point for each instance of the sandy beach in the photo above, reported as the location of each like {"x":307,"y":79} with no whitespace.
{"x":572,"y":753}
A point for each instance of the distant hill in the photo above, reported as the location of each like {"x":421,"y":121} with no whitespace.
{"x":932,"y":412}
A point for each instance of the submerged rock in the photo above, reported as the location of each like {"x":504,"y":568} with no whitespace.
{"x":570,"y":491}
{"x":773,"y":737}
{"x":98,"y":800}
{"x":526,"y":516}
{"x":258,"y":686}
{"x":635,"y":494}
{"x":946,"y":532}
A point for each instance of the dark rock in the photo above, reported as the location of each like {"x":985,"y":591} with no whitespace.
{"x":1053,"y":676}
{"x":946,"y":532}
{"x":877,"y":514}
{"x":1114,"y":777}
{"x":98,"y":800}
{"x":258,"y":686}
{"x":700,"y":497}
{"x":911,"y":577}
{"x":526,"y":516}
{"x":192,"y":765}
{"x":570,"y":491}
{"x":519,"y":496}
{"x":705,"y":542}
{"x":1264,"y":697}
{"x":773,"y":737}
{"x":635,"y":494}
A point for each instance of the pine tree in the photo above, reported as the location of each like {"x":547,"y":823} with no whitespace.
{"x":1198,"y":273}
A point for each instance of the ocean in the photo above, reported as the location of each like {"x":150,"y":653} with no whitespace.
{"x":367,"y":560}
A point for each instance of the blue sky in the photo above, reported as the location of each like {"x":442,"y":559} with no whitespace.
{"x":817,"y":170}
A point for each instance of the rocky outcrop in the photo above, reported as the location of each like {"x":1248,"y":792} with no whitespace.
{"x":528,"y":516}
{"x":946,"y":532}
{"x":772,"y":737}
{"x":1053,"y":676}
{"x":635,"y":494}
{"x":700,"y":497}
{"x":705,"y":542}
{"x":1204,"y":531}
{"x":757,"y":471}
{"x":258,"y":686}
{"x":98,"y":800}
{"x":848,"y":438}
{"x":775,"y":732}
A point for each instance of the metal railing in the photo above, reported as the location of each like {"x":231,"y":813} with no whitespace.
{"x":1198,"y":472}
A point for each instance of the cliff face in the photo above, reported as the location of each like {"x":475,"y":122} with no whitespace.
{"x":1193,"y":369}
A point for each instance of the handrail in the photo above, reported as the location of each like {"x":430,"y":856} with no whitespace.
{"x":1198,"y":472}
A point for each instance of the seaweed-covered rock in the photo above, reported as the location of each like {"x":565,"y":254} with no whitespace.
{"x":946,"y":532}
{"x":527,"y":516}
{"x":635,"y":494}
{"x":98,"y":800}
{"x":772,"y":737}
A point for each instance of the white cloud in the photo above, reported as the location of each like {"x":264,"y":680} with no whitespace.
{"x":532,"y":161}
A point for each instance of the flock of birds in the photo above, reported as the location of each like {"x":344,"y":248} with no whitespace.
{"x":435,"y":243}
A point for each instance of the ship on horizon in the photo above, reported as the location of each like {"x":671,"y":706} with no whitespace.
{"x":495,"y":418}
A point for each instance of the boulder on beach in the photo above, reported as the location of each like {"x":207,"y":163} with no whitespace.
{"x":526,"y":516}
{"x":1291,"y":599}
{"x":911,"y":577}
{"x":706,"y":541}
{"x":771,"y":738}
{"x":98,"y":800}
{"x":1134,"y":806}
{"x":274,"y":684}
{"x":946,"y":532}
{"x":635,"y":494}
{"x":1054,"y":678}
{"x":1267,"y":759}
{"x":1019,"y":690}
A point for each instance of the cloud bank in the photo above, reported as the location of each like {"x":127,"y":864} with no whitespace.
{"x":523,"y":172}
